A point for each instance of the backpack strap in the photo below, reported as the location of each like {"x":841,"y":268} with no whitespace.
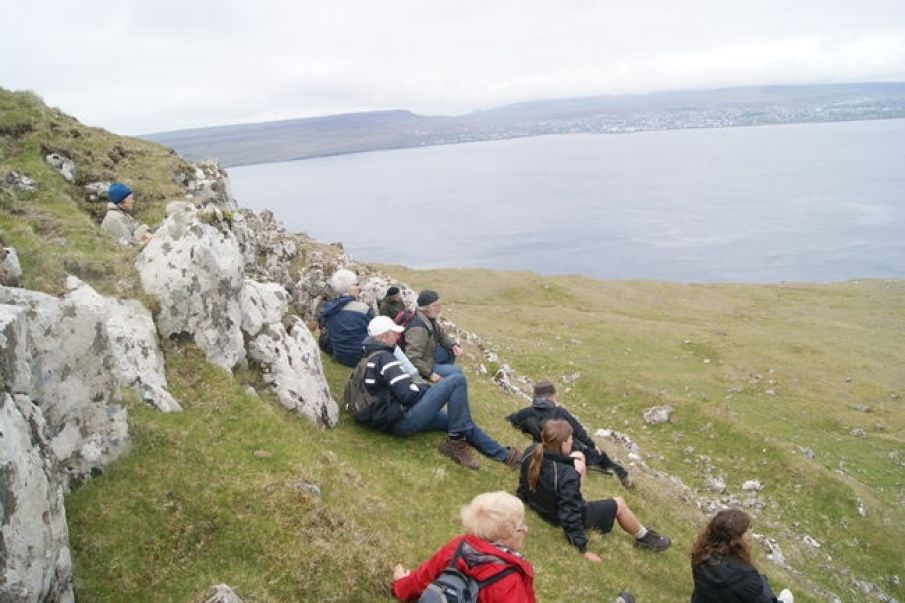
{"x":481,"y":583}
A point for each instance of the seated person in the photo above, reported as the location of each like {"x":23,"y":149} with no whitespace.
{"x":488,"y":551}
{"x":550,"y":483}
{"x":544,"y":407}
{"x":119,"y":222}
{"x":345,"y":318}
{"x":392,"y":304}
{"x":427,"y":345}
{"x":721,"y":564}
{"x":405,"y":407}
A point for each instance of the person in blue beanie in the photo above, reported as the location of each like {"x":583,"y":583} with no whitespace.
{"x":119,"y":221}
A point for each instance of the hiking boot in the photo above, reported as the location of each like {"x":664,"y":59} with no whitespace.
{"x":513,"y":457}
{"x":625,"y":597}
{"x":624,"y":478}
{"x":653,"y":542}
{"x":459,"y":451}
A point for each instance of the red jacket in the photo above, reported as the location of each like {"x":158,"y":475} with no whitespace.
{"x":517,"y":587}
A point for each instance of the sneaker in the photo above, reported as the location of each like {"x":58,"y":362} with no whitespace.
{"x":513,"y":457}
{"x":625,"y":597}
{"x":459,"y":451}
{"x":624,"y":478}
{"x":653,"y":542}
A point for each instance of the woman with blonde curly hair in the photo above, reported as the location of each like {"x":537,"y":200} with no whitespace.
{"x":495,"y":529}
{"x":721,"y":564}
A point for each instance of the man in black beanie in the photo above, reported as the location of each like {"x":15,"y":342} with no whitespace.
{"x":544,"y":407}
{"x":428,"y":346}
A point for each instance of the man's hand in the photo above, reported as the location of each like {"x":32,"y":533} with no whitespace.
{"x":457,"y":350}
{"x":435,"y":378}
{"x":592,"y":557}
{"x":400,"y":572}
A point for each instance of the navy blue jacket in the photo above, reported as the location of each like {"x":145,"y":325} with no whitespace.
{"x":347,"y":321}
{"x":386,"y":378}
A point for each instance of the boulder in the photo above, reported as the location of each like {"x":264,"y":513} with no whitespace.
{"x":262,"y":304}
{"x":193,"y":268}
{"x":64,"y":165}
{"x":35,"y":561}
{"x":135,"y":357}
{"x":10,"y":269}
{"x":658,"y":415}
{"x":290,"y":362}
{"x":59,"y":354}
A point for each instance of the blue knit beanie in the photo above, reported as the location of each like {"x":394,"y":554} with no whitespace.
{"x":117,"y":192}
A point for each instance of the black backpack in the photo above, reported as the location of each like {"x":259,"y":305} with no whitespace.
{"x":452,"y":586}
{"x":358,"y":400}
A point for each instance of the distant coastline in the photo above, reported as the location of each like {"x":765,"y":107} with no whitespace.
{"x":290,"y":140}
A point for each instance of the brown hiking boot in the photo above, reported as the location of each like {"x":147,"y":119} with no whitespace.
{"x":513,"y":457}
{"x":459,"y":451}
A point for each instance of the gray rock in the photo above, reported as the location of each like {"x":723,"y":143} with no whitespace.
{"x":57,"y":352}
{"x":715,"y":484}
{"x":19,"y":182}
{"x":658,"y":415}
{"x":36,"y":564}
{"x":10,"y":269}
{"x":752,"y":484}
{"x":193,"y":267}
{"x":95,"y":191}
{"x":807,"y":452}
{"x":858,"y":433}
{"x":290,"y":363}
{"x":862,"y":408}
{"x":210,"y":183}
{"x":221,"y":593}
{"x":261,"y":304}
{"x":65,"y":166}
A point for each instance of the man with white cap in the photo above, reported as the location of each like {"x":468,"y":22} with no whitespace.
{"x":405,"y":407}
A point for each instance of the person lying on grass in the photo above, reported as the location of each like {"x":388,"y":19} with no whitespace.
{"x":550,"y":483}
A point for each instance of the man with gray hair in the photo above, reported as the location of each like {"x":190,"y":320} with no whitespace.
{"x":345,"y":318}
{"x":428,"y":346}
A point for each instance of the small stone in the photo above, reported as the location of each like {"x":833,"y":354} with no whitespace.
{"x":715,"y":484}
{"x":810,"y":542}
{"x":807,"y":452}
{"x":658,"y":415}
{"x":251,"y":391}
{"x":862,"y":408}
{"x":862,"y":510}
{"x":222,"y":594}
{"x":706,"y":360}
{"x":312,"y":489}
{"x":770,"y":392}
{"x":604,"y":433}
{"x":263,"y":454}
{"x":689,"y":450}
{"x":753,"y":484}
{"x":858,"y":433}
{"x":848,"y":379}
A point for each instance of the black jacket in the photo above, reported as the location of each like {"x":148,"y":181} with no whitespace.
{"x":531,"y":421}
{"x":729,"y":580}
{"x":558,"y":497}
{"x":388,"y":381}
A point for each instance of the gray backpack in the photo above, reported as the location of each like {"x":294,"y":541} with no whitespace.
{"x":452,"y":586}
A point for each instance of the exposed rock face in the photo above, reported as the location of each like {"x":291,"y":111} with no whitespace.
{"x":210,"y":183}
{"x":35,"y":562}
{"x":266,"y":247}
{"x":10,"y":269}
{"x":290,"y":361}
{"x":193,"y":267}
{"x":58,"y":353}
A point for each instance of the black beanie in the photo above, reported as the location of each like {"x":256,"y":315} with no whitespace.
{"x":392,"y":291}
{"x":427,"y":297}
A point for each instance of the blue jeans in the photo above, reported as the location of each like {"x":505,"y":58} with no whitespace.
{"x":444,"y":362}
{"x":427,"y":414}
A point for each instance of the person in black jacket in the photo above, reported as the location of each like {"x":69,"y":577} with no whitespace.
{"x":405,"y":407}
{"x":721,"y":564}
{"x":550,"y":483}
{"x":545,"y":407}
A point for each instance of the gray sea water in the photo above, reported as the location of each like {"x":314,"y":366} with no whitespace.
{"x":806,"y":202}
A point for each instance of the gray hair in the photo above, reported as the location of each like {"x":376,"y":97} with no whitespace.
{"x":343,"y":280}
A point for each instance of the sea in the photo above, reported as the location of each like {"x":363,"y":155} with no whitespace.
{"x":820,"y":202}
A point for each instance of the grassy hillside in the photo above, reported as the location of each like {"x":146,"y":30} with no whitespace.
{"x":224,"y":491}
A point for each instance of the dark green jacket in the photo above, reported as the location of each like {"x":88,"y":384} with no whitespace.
{"x":422,"y":336}
{"x":390,"y":307}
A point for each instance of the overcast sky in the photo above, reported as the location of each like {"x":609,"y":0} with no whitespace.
{"x":145,"y":66}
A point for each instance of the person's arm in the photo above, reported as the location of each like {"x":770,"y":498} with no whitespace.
{"x":416,"y":340}
{"x":395,"y":377}
{"x":571,"y":509}
{"x":446,"y":340}
{"x":411,"y":585}
{"x":578,"y":430}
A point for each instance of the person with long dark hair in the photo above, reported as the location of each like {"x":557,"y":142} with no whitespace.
{"x":550,"y":483}
{"x":721,"y":564}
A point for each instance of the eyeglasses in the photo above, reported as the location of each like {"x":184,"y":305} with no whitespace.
{"x":522,"y":528}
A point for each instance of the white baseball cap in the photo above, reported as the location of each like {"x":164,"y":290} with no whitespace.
{"x":383,"y":324}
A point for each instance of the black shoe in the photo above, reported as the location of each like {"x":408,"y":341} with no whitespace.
{"x":653,"y":542}
{"x":624,"y":478}
{"x":625,"y":597}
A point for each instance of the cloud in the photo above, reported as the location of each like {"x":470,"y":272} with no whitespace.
{"x":153,"y":65}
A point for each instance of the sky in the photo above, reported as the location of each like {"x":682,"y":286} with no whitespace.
{"x":137,"y":66}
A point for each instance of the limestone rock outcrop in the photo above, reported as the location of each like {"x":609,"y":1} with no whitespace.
{"x":35,"y":564}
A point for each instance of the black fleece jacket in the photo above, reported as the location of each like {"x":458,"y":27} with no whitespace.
{"x":729,"y":580}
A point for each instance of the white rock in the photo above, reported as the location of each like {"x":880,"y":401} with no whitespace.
{"x":135,"y":356}
{"x":658,"y":415}
{"x":58,"y":353}
{"x":862,"y":509}
{"x":858,"y":433}
{"x":810,"y":542}
{"x":291,"y":363}
{"x":62,"y":164}
{"x":753,"y":484}
{"x":262,"y":304}
{"x":604,"y":433}
{"x":221,"y":593}
{"x":36,"y":564}
{"x":193,"y":267}
{"x":10,"y":268}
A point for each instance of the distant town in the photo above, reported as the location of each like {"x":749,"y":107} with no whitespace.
{"x":360,"y":132}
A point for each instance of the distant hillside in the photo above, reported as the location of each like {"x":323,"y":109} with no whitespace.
{"x":378,"y":130}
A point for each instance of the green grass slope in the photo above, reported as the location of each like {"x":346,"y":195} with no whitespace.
{"x":224,"y":491}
